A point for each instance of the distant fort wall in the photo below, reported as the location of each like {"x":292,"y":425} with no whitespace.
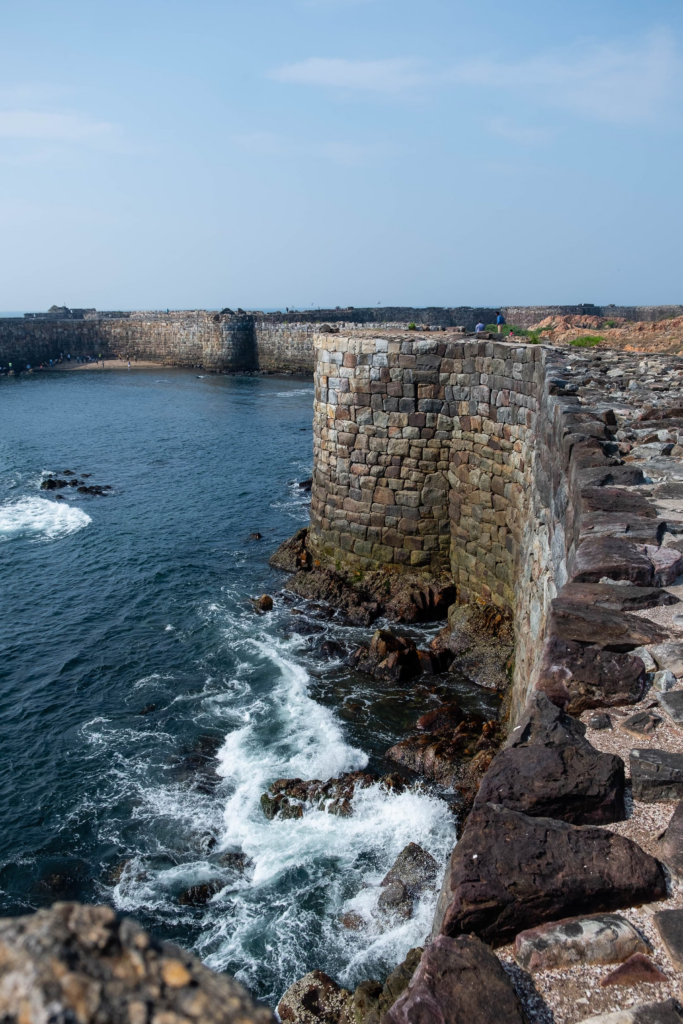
{"x":229,"y":341}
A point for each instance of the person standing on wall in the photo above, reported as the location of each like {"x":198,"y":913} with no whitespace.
{"x":500,"y":321}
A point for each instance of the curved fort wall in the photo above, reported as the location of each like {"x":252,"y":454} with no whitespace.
{"x":452,"y":454}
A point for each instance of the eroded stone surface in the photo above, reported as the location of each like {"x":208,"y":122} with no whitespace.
{"x":594,"y":939}
{"x":578,"y":678}
{"x":81,"y":963}
{"x":668,"y":1012}
{"x":656,"y":775}
{"x":315,"y":999}
{"x":669,"y":924}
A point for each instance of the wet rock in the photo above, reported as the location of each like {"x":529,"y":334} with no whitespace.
{"x":255,"y":536}
{"x":669,"y":924}
{"x":624,"y":597}
{"x":148,"y":709}
{"x":579,"y":677}
{"x":458,"y":980}
{"x":587,"y":623}
{"x":315,"y":999}
{"x":394,"y":901}
{"x":53,"y":484}
{"x":549,"y":769}
{"x":452,"y":747}
{"x":641,"y":724}
{"x":669,"y":656}
{"x":613,"y":557}
{"x":389,"y":658}
{"x":416,"y":868}
{"x":81,"y":963}
{"x":429,"y":603}
{"x":236,"y":860}
{"x":663,"y":681}
{"x":669,"y":1012}
{"x":594,"y":939}
{"x":199,"y":895}
{"x":371,"y":1000}
{"x":332,"y":649}
{"x":95,"y":490}
{"x":479,"y":642}
{"x":264,"y":603}
{"x":656,"y":775}
{"x":672,"y":703}
{"x":599,"y":722}
{"x":292,"y":554}
{"x":288,"y":798}
{"x":306,"y":485}
{"x":510,"y":872}
{"x":637,"y":970}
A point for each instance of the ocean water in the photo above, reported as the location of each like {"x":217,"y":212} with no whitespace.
{"x":145,"y":707}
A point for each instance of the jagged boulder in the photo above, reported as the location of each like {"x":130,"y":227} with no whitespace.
{"x":549,"y":769}
{"x":389,"y":658}
{"x":578,"y":677}
{"x":510,"y":872}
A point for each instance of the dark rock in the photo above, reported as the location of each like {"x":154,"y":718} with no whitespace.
{"x":594,"y":939}
{"x":68,"y":472}
{"x":617,"y":597}
{"x":610,"y":556}
{"x":315,"y":999}
{"x":452,"y":747}
{"x":389,"y":658}
{"x":671,"y":843}
{"x":586,"y":623}
{"x":667,"y":562}
{"x":670,"y":489}
{"x":669,"y":1012}
{"x":306,"y":485}
{"x":458,"y":981}
{"x":292,"y":554}
{"x":287,"y":798}
{"x":510,"y":872}
{"x":236,"y":860}
{"x":148,"y":708}
{"x":621,"y":525}
{"x":578,"y":678}
{"x":264,"y":603}
{"x":429,"y":603}
{"x":414,"y":868}
{"x":52,"y":484}
{"x":599,"y":722}
{"x":656,"y":775}
{"x":549,"y":769}
{"x":669,"y":924}
{"x":637,"y":970}
{"x":641,"y":724}
{"x":332,"y":649}
{"x":622,"y":476}
{"x":612,"y":499}
{"x":199,"y":895}
{"x":371,"y":1000}
{"x":94,"y":489}
{"x":255,"y":536}
{"x":479,"y":642}
{"x":394,"y":901}
{"x":79,"y":963}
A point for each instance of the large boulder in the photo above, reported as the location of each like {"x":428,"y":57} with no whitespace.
{"x":411,"y":875}
{"x":621,"y":597}
{"x":612,"y":557}
{"x":577,"y":677}
{"x":585,"y":622}
{"x":510,"y":872}
{"x":76,"y":963}
{"x":614,"y":499}
{"x":458,"y":981}
{"x":388,"y":658}
{"x":549,"y":769}
{"x":656,"y":775}
{"x":372,"y":999}
{"x":594,"y":939}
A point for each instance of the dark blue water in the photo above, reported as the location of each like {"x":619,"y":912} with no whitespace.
{"x":145,"y":706}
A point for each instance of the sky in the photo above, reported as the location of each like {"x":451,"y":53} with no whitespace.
{"x":268,"y":153}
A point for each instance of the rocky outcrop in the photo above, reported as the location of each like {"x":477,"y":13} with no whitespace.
{"x":84,"y":964}
{"x":412,"y":874}
{"x":289,"y":798}
{"x":389,"y":658}
{"x":458,"y":981}
{"x":479,"y":644}
{"x":549,"y":769}
{"x":315,"y":999}
{"x":510,"y":872}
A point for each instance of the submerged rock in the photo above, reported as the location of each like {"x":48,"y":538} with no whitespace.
{"x":510,"y":872}
{"x":288,"y":798}
{"x":81,"y":963}
{"x":264,"y":603}
{"x":458,"y":980}
{"x":199,"y":895}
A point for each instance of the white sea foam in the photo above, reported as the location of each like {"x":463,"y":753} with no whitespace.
{"x":40,"y":520}
{"x":296,"y":392}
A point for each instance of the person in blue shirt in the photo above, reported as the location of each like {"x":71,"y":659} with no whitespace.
{"x":479,"y":328}
{"x":500,"y":320}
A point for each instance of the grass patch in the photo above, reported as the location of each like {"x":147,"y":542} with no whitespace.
{"x":412,"y":327}
{"x":532,"y":337}
{"x":587,"y":341}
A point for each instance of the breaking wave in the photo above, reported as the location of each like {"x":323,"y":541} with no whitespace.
{"x":40,"y":519}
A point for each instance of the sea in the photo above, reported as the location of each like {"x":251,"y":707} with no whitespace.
{"x":145,"y":705}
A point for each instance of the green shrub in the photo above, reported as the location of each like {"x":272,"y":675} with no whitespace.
{"x":519,"y":332}
{"x":587,"y":341}
{"x":412,"y":327}
{"x":610,"y":323}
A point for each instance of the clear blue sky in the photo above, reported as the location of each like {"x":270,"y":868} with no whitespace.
{"x":197,"y":153}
